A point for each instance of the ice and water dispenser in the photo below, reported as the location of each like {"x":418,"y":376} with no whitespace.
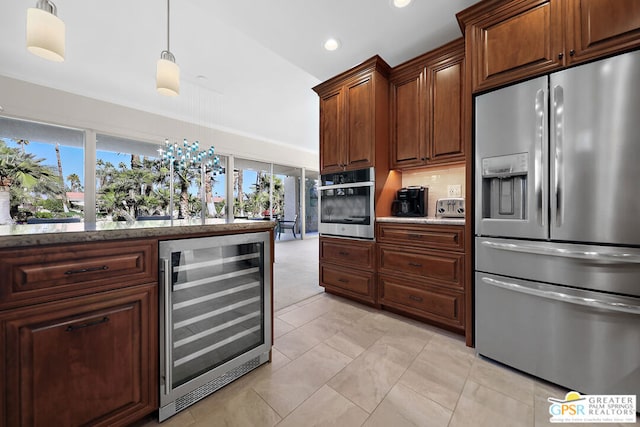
{"x":504,"y":186}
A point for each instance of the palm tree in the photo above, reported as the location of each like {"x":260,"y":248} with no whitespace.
{"x":19,"y":171}
{"x":74,"y":182}
{"x":65,"y":202}
{"x":22,"y":143}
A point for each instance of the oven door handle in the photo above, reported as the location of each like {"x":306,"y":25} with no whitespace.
{"x":350,"y":185}
{"x":609,"y":258}
{"x":559,"y":296}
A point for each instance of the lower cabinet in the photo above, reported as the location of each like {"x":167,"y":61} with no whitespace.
{"x":419,"y":299}
{"x":347,"y":268}
{"x":421,"y":272}
{"x":80,"y":361}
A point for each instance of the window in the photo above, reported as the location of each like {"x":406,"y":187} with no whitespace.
{"x":42,"y":169}
{"x":132,"y":182}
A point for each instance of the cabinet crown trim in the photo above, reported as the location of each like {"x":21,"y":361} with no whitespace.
{"x":375,"y":63}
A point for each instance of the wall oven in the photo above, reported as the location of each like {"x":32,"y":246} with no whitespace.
{"x":347,"y":204}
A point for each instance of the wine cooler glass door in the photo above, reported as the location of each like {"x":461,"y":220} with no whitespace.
{"x":215,"y":306}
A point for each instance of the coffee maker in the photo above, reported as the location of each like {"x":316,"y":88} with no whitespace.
{"x":410,"y":201}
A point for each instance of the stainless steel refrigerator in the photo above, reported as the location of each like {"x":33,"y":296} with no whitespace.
{"x":557,"y":223}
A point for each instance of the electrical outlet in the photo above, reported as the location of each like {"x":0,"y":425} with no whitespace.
{"x":454,"y":190}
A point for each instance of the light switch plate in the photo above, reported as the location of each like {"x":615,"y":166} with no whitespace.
{"x":454,"y":190}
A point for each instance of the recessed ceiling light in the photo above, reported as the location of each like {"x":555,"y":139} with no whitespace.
{"x":332,"y":44}
{"x":401,"y":3}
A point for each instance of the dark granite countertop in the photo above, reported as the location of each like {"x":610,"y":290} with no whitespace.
{"x":46,"y":234}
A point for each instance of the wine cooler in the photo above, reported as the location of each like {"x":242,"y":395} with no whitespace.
{"x":215,"y":317}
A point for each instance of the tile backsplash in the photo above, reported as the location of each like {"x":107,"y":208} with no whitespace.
{"x":437,"y":180}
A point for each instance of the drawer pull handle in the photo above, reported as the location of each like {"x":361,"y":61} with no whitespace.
{"x":72,"y":328}
{"x":414,"y":264}
{"x":87,"y":270}
{"x":343,"y":253}
{"x":414,"y":236}
{"x":343,"y":280}
{"x":415,"y":298}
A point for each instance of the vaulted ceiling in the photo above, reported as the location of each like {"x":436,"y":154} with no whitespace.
{"x":247,"y":65}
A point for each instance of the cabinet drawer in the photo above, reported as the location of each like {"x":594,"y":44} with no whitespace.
{"x":352,"y":282}
{"x":36,"y":274}
{"x":436,"y":304}
{"x":347,"y":252}
{"x":431,"y":236}
{"x":443,"y":268}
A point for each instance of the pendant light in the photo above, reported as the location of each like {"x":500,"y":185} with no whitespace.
{"x":45,"y":31}
{"x":168,"y":72}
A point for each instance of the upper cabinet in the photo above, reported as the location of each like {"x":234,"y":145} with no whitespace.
{"x":512,"y":40}
{"x":601,"y":27}
{"x":426,"y":108}
{"x":353,"y":118}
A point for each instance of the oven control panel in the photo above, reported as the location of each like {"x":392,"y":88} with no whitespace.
{"x":451,"y":207}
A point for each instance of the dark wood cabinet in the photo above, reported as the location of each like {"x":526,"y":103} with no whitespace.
{"x":347,"y":268}
{"x":79,"y":333}
{"x":601,"y":27}
{"x":52,"y":272}
{"x":445,"y":80}
{"x":426,"y":108}
{"x":80,"y":361}
{"x":512,"y":40}
{"x":421,"y":272}
{"x":331,"y":136}
{"x":353,"y":118}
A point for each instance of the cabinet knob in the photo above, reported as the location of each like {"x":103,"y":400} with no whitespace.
{"x":560,"y":55}
{"x":572,"y":52}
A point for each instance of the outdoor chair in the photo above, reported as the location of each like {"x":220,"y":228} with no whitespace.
{"x":287,"y":225}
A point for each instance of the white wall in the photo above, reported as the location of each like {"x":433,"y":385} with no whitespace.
{"x":24,"y":100}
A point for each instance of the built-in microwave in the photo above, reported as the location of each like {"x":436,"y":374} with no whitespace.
{"x":347,"y":204}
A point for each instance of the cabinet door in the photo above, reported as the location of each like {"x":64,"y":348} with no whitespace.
{"x":360,"y":118}
{"x":445,"y":81}
{"x":515,"y":41}
{"x":408,"y":125}
{"x":602,"y":27}
{"x":81,"y":361}
{"x":331,"y":132}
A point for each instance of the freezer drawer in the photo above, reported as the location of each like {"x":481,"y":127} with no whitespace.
{"x":599,"y":268}
{"x":585,"y":341}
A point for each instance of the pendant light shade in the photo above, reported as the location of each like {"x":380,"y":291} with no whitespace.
{"x":45,"y":31}
{"x":167,"y":71}
{"x":167,"y":75}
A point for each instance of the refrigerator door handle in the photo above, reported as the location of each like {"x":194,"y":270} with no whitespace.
{"x":539,"y":155}
{"x":608,"y":258}
{"x":558,"y":113}
{"x":559,"y":296}
{"x":165,"y":295}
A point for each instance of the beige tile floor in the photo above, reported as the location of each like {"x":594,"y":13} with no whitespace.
{"x":337,"y":363}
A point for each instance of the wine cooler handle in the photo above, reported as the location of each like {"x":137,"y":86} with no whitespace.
{"x":165,"y":290}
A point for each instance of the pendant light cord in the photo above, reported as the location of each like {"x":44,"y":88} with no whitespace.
{"x":168,"y":16}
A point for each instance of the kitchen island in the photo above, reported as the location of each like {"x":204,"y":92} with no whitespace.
{"x":79,"y":317}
